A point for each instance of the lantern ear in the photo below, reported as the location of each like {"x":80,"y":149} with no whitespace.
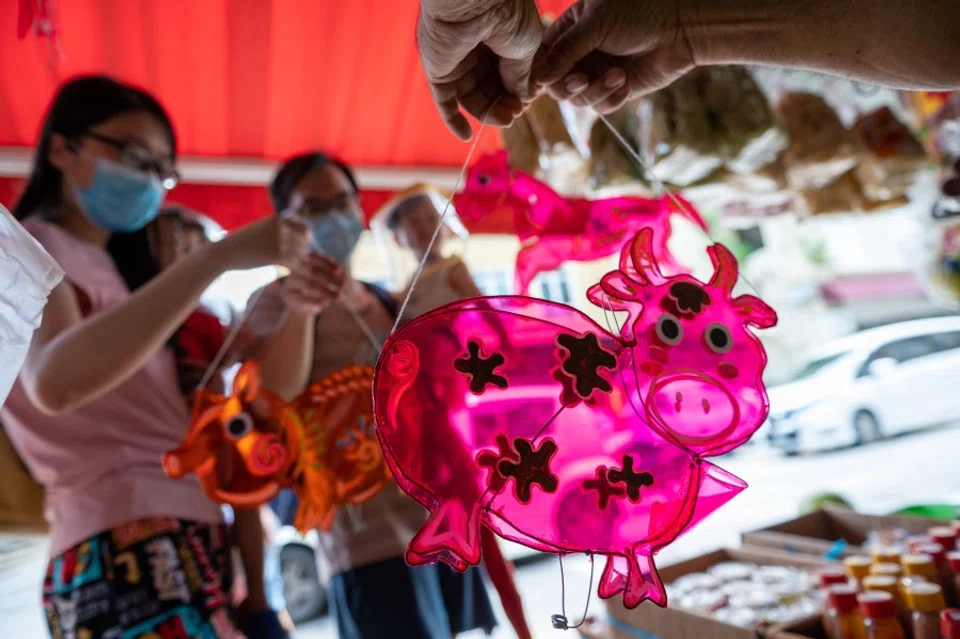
{"x":725,"y":269}
{"x":618,"y":292}
{"x":755,"y":311}
{"x":246,"y":385}
{"x":639,"y":261}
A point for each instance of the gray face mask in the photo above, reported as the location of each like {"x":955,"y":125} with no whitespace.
{"x":336,"y":235}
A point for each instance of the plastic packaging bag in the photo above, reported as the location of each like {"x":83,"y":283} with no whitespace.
{"x":743,"y":123}
{"x":821,"y":148}
{"x":27,"y":275}
{"x":893,"y":158}
{"x":610,"y":166}
{"x":674,"y":135}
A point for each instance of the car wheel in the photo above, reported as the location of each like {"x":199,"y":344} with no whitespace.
{"x":302,"y":592}
{"x":867,"y":427}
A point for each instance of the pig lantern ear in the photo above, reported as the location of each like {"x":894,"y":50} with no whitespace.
{"x":755,"y":312}
{"x":725,"y":269}
{"x":639,"y":262}
{"x":246,"y":385}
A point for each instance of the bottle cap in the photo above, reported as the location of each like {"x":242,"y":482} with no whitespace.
{"x":950,"y":623}
{"x":857,"y":566}
{"x":953,"y":558}
{"x":830,"y":575}
{"x":925,"y":597}
{"x":894,"y":570}
{"x":946,"y":536}
{"x":881,"y":583}
{"x":843,"y":597}
{"x":937,"y":551}
{"x":886,"y":555}
{"x":876,"y":605}
{"x":917,"y":565}
{"x":916,"y":540}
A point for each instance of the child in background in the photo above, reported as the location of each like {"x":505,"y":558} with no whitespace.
{"x":413,"y":216}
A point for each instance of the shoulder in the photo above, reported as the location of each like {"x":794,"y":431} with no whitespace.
{"x":88,"y":267}
{"x":53,"y":238}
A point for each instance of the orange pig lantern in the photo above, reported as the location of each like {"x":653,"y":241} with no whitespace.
{"x":246,"y":447}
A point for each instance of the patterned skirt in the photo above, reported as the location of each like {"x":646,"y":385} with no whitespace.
{"x":157,"y":577}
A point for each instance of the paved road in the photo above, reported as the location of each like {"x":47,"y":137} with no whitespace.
{"x":914,"y":469}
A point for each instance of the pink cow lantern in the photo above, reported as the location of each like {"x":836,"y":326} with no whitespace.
{"x":516,"y":414}
{"x":554,"y":229}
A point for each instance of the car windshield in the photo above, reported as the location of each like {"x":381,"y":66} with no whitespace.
{"x":813,"y":367}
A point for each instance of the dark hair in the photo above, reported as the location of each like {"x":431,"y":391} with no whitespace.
{"x":294,"y":169}
{"x":79,"y":104}
{"x":403,"y":207}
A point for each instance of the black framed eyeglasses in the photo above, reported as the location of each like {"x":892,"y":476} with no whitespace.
{"x":313,"y":207}
{"x":137,"y":157}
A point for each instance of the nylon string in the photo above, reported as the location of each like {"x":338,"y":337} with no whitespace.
{"x":661,"y":187}
{"x":443,"y":215}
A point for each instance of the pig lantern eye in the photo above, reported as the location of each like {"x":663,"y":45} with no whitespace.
{"x":484,"y":179}
{"x":239,"y":426}
{"x":669,"y":329}
{"x":718,"y":338}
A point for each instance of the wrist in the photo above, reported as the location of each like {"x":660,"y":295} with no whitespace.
{"x":210,"y":261}
{"x":219,"y":255}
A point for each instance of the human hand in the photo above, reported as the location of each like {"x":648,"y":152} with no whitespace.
{"x":314,"y":282}
{"x":601,"y":53}
{"x":272,"y":241}
{"x":477,"y":57}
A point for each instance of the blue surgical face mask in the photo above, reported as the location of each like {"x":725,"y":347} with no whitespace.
{"x":121,"y":199}
{"x":336,"y":235}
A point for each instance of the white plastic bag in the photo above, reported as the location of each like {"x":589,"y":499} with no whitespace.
{"x":27,"y":275}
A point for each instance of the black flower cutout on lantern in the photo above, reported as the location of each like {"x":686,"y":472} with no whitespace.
{"x":585,"y":357}
{"x":631,"y":479}
{"x":605,"y":490}
{"x":685,"y":300}
{"x":568,"y":395}
{"x":491,"y":459}
{"x":480,"y":369}
{"x":531,"y":467}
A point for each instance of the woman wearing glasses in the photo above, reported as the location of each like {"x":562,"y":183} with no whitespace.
{"x":97,"y":402}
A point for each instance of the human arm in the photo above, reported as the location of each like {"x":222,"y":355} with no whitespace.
{"x":477,"y":57}
{"x":899,"y":44}
{"x":73,"y":360}
{"x":286,"y":357}
{"x":249,"y":538}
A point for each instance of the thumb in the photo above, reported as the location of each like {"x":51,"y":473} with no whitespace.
{"x":579,"y":37}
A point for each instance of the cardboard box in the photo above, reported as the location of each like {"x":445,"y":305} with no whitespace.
{"x":812,"y":629}
{"x":652,"y":622}
{"x":817,"y":533}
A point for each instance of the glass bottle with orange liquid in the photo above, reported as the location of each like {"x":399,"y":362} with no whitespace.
{"x":926,"y":602}
{"x":880,"y":615}
{"x":842,"y":618}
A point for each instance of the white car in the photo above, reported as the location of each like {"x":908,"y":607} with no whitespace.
{"x":869,"y":385}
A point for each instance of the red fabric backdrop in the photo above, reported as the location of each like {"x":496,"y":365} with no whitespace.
{"x":241,"y":78}
{"x":247,"y":78}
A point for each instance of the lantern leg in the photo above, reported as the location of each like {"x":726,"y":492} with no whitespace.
{"x":643,"y":582}
{"x":451,"y":534}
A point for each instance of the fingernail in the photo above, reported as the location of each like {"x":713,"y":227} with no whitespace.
{"x":575,"y":83}
{"x":615,"y":78}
